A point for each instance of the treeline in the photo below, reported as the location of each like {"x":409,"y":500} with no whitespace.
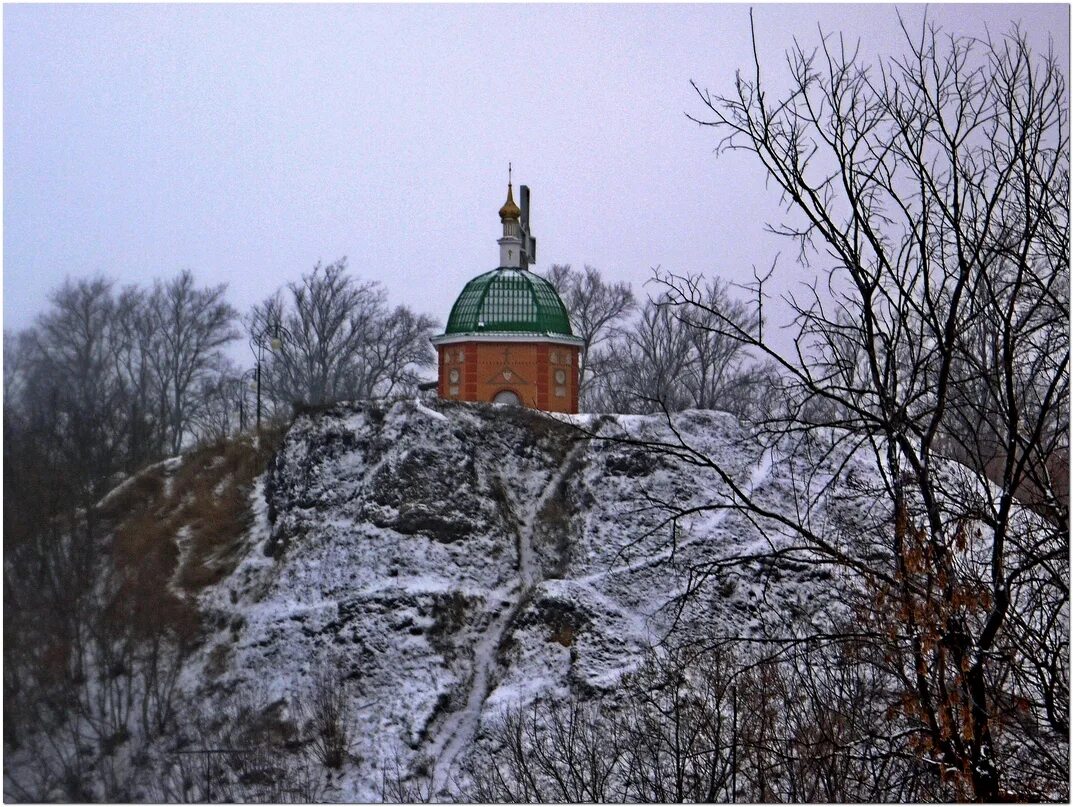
{"x":652,"y":356}
{"x":109,"y":379}
{"x":99,"y":602}
{"x":112,"y":378}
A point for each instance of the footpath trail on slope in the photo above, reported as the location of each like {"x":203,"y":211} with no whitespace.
{"x":459,"y":729}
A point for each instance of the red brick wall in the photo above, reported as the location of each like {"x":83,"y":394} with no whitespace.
{"x":532,"y":373}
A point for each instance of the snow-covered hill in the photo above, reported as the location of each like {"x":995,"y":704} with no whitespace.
{"x":444,"y":562}
{"x":453,"y":560}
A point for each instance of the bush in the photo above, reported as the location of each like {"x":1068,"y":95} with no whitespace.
{"x":325,"y":713}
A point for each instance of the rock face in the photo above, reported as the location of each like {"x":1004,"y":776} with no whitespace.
{"x":435,"y":563}
{"x":454,"y":559}
{"x":418,"y":568}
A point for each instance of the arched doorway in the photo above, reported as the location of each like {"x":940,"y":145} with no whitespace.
{"x":507,"y":397}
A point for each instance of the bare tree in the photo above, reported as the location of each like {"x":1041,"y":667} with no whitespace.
{"x":708,"y":725}
{"x":189,"y":326}
{"x":595,"y":307}
{"x":558,"y":751}
{"x":134,"y":329}
{"x":717,"y":359}
{"x":326,"y":712}
{"x":333,"y":339}
{"x":671,"y":358}
{"x":395,"y":349}
{"x":114,"y":378}
{"x":646,"y":364}
{"x":930,"y":195}
{"x":223,"y":403}
{"x":65,"y":395}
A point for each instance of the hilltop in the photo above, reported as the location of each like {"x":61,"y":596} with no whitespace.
{"x":419,"y":567}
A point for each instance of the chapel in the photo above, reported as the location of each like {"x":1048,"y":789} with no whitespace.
{"x":508,"y":337}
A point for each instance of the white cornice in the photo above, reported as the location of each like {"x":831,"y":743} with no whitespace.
{"x":548,"y":338}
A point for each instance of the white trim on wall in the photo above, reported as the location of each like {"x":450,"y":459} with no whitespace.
{"x":552,"y":339}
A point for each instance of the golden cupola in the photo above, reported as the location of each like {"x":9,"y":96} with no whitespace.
{"x":509,"y":209}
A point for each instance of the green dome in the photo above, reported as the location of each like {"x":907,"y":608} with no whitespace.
{"x":512,"y":300}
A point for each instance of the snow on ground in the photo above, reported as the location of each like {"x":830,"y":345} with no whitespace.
{"x":454,"y":560}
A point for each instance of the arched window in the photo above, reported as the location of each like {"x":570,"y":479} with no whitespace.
{"x":507,"y":397}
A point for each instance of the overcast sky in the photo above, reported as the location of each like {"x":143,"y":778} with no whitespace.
{"x":246,"y":143}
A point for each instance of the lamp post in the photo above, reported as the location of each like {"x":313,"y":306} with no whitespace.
{"x":258,"y":348}
{"x":245,"y":382}
{"x":257,"y":345}
{"x":261,"y":351}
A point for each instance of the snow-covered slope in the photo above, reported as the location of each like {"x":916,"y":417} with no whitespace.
{"x":453,"y":560}
{"x":433,"y":565}
{"x":411,"y":571}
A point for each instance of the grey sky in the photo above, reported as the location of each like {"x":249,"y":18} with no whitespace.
{"x":248,"y":142}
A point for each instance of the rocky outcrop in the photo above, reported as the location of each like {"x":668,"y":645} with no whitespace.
{"x":447,"y":561}
{"x":458,"y":558}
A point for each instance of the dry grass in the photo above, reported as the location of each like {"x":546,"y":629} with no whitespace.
{"x":145,"y":487}
{"x":207,"y":503}
{"x":146,"y":557}
{"x":212,"y":494}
